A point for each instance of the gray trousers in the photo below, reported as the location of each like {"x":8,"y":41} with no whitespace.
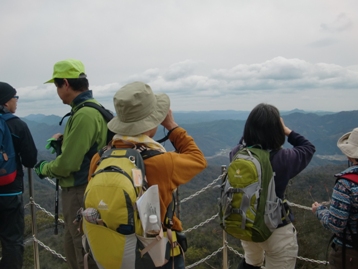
{"x":72,"y":201}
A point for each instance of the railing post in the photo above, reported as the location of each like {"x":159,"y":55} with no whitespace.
{"x":33,"y":218}
{"x":223,"y":170}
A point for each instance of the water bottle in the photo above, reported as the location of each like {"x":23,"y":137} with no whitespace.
{"x":153,"y":227}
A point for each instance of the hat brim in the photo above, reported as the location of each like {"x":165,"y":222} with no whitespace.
{"x":52,"y":80}
{"x":150,"y":122}
{"x":347,"y":149}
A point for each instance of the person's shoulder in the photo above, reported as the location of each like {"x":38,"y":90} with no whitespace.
{"x":15,"y":119}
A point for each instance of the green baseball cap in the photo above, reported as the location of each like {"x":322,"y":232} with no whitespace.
{"x":69,"y":68}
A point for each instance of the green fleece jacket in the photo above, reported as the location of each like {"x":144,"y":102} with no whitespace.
{"x":85,"y":133}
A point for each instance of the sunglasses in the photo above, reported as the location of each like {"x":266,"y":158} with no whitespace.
{"x":16,"y":97}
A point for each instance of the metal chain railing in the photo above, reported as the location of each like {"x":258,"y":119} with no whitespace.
{"x":201,"y":224}
{"x":52,"y":182}
{"x":48,"y":248}
{"x":312,"y":260}
{"x":205,"y":259}
{"x":201,"y":191}
{"x":299,"y":206}
{"x":234,"y":250}
{"x":185,"y":231}
{"x":45,"y":211}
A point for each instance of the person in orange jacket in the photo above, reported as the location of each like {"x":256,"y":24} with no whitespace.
{"x":139,"y":112}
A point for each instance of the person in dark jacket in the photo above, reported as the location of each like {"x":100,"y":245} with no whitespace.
{"x":265,"y":128}
{"x":12,"y":222}
{"x":342,"y":215}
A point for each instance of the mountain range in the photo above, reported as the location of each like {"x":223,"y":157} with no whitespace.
{"x":216,"y":132}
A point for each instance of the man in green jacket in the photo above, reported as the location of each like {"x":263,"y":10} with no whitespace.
{"x":85,"y":133}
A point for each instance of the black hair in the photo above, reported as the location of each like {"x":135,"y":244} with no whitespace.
{"x":263,"y":127}
{"x":77,"y":84}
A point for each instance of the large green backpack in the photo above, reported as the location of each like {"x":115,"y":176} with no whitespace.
{"x":111,"y":223}
{"x":249,"y":207}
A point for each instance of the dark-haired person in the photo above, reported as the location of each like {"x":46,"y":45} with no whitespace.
{"x":342,"y":215}
{"x":265,"y":128}
{"x":11,"y":202}
{"x":85,"y":133}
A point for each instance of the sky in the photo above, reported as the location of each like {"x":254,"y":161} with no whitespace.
{"x":206,"y":55}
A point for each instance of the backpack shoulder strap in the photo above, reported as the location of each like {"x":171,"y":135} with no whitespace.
{"x":6,"y":117}
{"x":168,"y":220}
{"x":148,"y":153}
{"x":106,"y":114}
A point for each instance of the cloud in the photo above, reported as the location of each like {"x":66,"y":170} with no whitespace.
{"x":279,"y":80}
{"x":324,"y":42}
{"x":180,"y":70}
{"x":340,"y":24}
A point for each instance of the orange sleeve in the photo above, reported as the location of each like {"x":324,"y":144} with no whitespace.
{"x":188,"y":160}
{"x":93,"y":165}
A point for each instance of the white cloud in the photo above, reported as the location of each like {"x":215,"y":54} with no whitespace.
{"x":289,"y":83}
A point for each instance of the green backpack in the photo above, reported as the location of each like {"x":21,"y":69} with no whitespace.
{"x":249,"y":207}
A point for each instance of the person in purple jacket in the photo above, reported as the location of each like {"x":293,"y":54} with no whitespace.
{"x":265,"y":128}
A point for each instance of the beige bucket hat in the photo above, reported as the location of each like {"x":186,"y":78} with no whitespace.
{"x":138,"y":109}
{"x":348,"y":144}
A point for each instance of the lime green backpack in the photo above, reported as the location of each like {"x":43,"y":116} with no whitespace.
{"x":111,"y":225}
{"x":248,"y":207}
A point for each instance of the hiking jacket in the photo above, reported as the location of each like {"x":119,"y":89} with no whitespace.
{"x":343,"y":208}
{"x":85,"y":134}
{"x":26,"y":154}
{"x":288,"y":162}
{"x":170,"y":169}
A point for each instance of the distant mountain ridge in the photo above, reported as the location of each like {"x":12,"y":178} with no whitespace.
{"x":188,"y":116}
{"x":215,"y":131}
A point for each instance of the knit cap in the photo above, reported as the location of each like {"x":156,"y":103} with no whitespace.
{"x":6,"y":92}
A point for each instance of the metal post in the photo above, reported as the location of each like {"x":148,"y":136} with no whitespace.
{"x":33,"y":217}
{"x":223,"y":170}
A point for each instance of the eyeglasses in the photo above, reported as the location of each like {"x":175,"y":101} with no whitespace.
{"x":16,"y":97}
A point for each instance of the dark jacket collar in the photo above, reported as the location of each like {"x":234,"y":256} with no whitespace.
{"x":82,"y":97}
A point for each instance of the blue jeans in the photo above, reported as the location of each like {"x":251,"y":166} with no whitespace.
{"x":178,"y":263}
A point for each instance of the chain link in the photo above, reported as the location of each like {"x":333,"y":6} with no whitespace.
{"x":52,"y":182}
{"x":233,"y":250}
{"x":48,"y":248}
{"x":312,"y":260}
{"x":205,"y":259}
{"x":44,"y":210}
{"x":201,"y":224}
{"x":202,"y":190}
{"x":299,"y":206}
